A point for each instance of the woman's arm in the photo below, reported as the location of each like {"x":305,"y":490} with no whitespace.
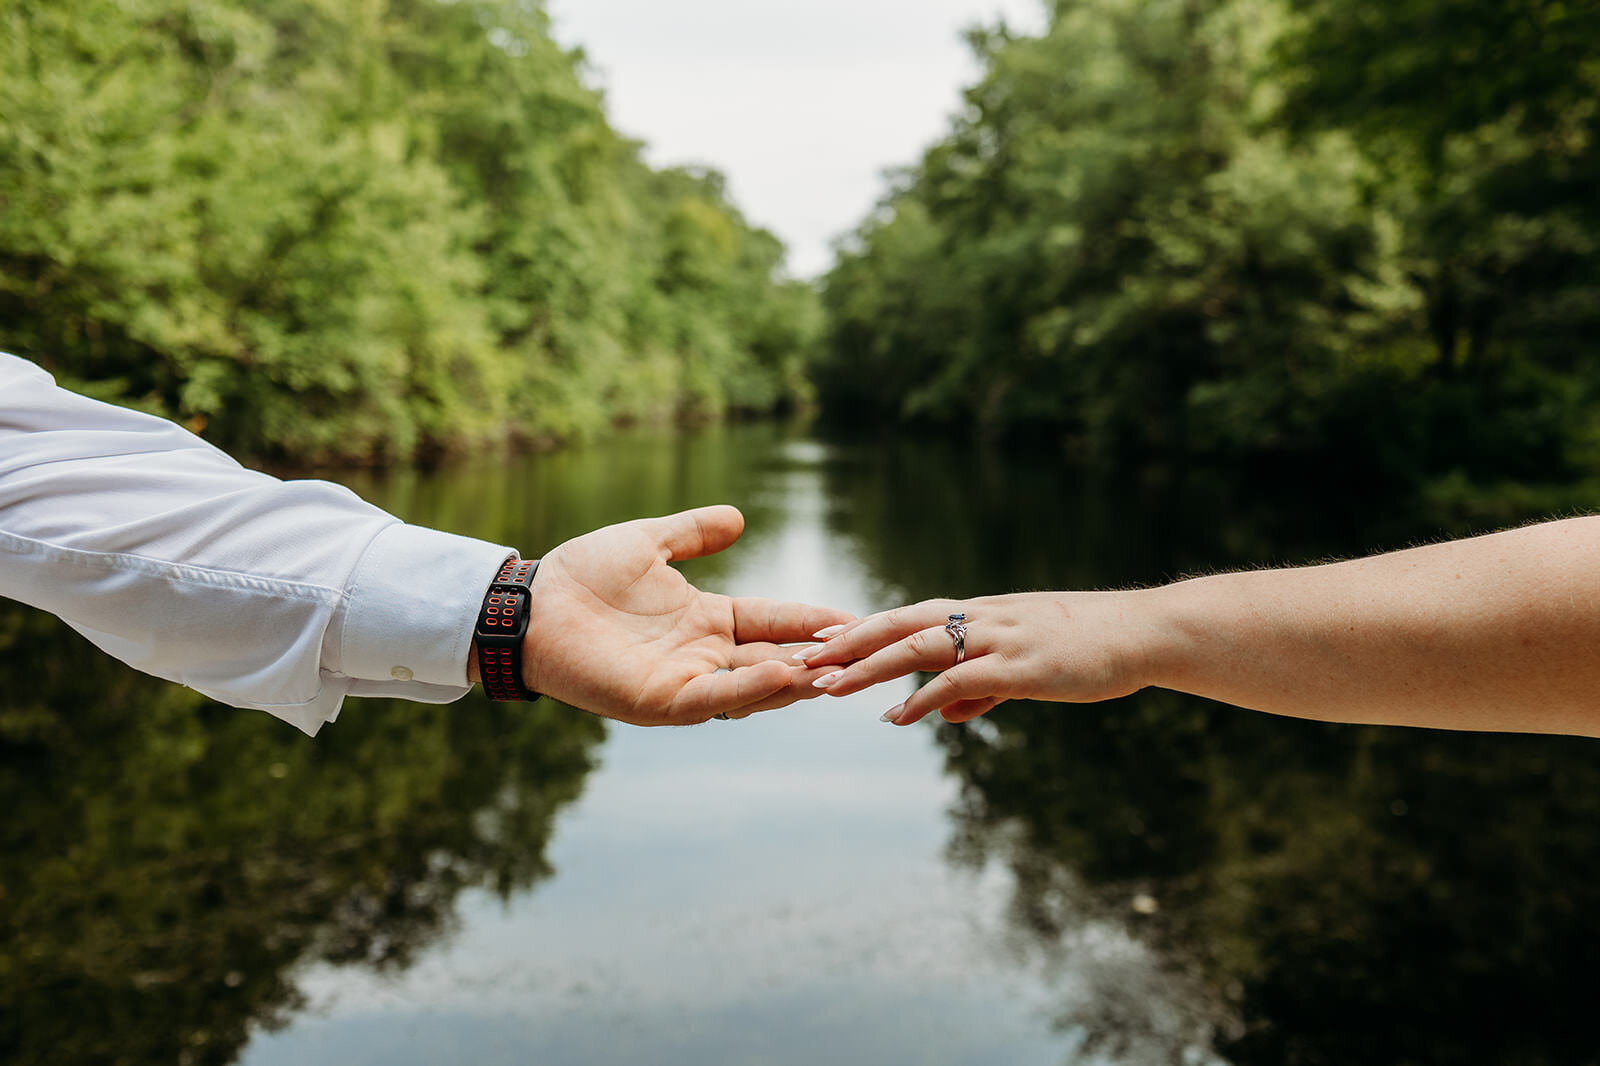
{"x":1500,"y":632}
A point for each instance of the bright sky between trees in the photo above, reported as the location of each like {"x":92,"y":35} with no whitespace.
{"x":802,"y":105}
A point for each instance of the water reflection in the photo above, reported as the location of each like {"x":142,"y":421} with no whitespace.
{"x":1174,"y":881}
{"x":168,"y":864}
{"x":1314,"y":893}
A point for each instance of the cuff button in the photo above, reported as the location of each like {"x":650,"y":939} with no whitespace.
{"x":401,"y":673}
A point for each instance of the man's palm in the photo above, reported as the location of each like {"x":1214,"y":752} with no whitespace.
{"x":616,"y":630}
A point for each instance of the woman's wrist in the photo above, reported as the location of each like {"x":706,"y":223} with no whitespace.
{"x":1168,"y":630}
{"x":1091,"y":646}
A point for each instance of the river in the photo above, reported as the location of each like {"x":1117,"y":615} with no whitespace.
{"x":1155,"y":880}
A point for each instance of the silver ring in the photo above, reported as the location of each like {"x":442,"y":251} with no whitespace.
{"x":723,"y":716}
{"x":957,"y":628}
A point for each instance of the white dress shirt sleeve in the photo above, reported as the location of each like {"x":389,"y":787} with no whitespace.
{"x":285,"y":596}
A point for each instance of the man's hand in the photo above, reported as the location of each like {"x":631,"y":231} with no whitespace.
{"x":615,"y":630}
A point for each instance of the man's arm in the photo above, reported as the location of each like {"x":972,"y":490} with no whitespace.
{"x":290,"y":595}
{"x":285,"y":596}
{"x":1500,"y":632}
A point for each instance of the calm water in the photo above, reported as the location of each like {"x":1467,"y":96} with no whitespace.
{"x":1158,"y":880}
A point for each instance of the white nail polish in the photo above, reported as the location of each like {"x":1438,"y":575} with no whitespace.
{"x":827,"y":680}
{"x":824,"y":634}
{"x":800,"y":656}
{"x":892,"y":713}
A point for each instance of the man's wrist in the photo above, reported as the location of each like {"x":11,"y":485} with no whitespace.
{"x":501,"y":627}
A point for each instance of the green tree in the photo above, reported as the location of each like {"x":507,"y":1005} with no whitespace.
{"x":1146,"y":234}
{"x":1481,"y":118}
{"x":1107,"y":230}
{"x":318,"y":230}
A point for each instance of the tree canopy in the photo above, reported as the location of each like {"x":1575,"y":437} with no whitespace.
{"x":1358,"y":234}
{"x":324,"y":230}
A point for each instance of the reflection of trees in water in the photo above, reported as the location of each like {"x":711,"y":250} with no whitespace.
{"x":169,"y":863}
{"x":535,"y":502}
{"x":1315,"y":893}
{"x":1350,"y":894}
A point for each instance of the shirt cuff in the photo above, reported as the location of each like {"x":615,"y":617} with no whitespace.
{"x":411,"y":606}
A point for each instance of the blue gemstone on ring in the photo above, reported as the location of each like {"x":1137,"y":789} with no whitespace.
{"x":958,"y":618}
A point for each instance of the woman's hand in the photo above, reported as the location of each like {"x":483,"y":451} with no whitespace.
{"x":1495,"y":633}
{"x":1077,"y":647}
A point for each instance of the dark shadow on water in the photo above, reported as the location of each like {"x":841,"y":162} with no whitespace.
{"x":1269,"y":891}
{"x":168,"y":865}
{"x":1317,"y":894}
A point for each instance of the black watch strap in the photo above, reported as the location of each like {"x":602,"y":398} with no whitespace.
{"x":501,"y":626}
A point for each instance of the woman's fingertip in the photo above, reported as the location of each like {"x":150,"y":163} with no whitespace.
{"x":831,"y":631}
{"x":828,"y":680}
{"x":805,"y":653}
{"x":892,"y":715}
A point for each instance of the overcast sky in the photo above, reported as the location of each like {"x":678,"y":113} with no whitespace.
{"x":801,"y":103}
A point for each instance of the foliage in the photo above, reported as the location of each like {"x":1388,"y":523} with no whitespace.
{"x":1482,"y":122}
{"x":327,"y":230}
{"x":1152,"y":231}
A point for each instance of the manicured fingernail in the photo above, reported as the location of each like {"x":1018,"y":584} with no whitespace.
{"x":800,"y":656}
{"x":892,"y":715}
{"x":824,"y":634}
{"x":827,"y":680}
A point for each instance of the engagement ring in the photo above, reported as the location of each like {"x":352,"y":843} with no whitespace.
{"x":957,"y":628}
